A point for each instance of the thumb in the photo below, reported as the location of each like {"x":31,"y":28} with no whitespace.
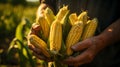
{"x":35,"y":29}
{"x":81,"y":45}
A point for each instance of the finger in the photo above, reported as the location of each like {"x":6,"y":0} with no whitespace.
{"x":31,"y":46}
{"x":81,"y":45}
{"x":35,"y":29}
{"x":69,"y":61}
{"x":85,"y":57}
{"x":76,"y":65}
{"x":34,"y":49}
{"x":39,"y":56}
{"x":78,"y":60}
{"x":37,"y":52}
{"x":42,"y":57}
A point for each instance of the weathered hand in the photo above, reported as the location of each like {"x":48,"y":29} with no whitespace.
{"x":37,"y":52}
{"x":89,"y":49}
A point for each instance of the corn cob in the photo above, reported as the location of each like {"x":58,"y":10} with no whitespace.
{"x":74,"y":36}
{"x":83,"y":17}
{"x":62,"y":16}
{"x":62,"y":13}
{"x":55,"y":36}
{"x":39,"y":43}
{"x":56,"y":30}
{"x":49,"y":15}
{"x":44,"y":26}
{"x":39,"y":13}
{"x":90,"y":29}
{"x":73,"y":18}
{"x":51,"y":64}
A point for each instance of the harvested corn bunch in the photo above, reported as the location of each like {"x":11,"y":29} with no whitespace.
{"x":62,"y":31}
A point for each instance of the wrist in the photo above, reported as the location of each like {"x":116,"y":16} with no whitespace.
{"x":100,"y":42}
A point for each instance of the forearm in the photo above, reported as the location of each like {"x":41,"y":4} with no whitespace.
{"x":110,"y":35}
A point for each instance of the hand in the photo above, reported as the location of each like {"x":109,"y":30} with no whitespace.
{"x":37,"y":52}
{"x":90,"y":50}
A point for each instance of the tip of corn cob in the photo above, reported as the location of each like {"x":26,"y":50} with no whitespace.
{"x":83,"y":17}
{"x":73,"y":18}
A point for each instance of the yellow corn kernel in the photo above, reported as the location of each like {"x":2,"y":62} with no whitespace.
{"x":90,"y":28}
{"x":49,"y":15}
{"x":39,"y":43}
{"x":73,"y":18}
{"x":55,"y":36}
{"x":74,"y":36}
{"x":62,"y":13}
{"x":51,"y":64}
{"x":44,"y":26}
{"x":83,"y":17}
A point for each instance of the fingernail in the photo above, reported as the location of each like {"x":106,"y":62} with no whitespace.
{"x":73,"y":47}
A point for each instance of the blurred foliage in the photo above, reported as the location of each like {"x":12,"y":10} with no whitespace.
{"x":15,"y":23}
{"x":14,"y":2}
{"x":20,"y":43}
{"x":3,"y":1}
{"x":10,"y":16}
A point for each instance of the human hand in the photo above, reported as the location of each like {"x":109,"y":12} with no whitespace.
{"x":89,"y":48}
{"x":37,"y":52}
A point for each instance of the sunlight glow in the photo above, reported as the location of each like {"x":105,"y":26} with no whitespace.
{"x":32,"y":0}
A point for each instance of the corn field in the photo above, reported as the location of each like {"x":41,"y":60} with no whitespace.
{"x":15,"y":23}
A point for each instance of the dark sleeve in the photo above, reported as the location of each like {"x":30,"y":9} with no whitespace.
{"x":50,"y":3}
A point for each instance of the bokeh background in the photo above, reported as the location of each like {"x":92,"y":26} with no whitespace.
{"x":16,"y":17}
